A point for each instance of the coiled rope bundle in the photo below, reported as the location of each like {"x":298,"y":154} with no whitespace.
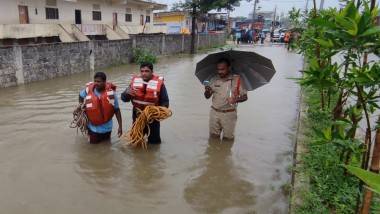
{"x":135,"y":136}
{"x":80,"y":119}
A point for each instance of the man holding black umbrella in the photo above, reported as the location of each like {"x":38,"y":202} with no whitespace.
{"x":226,"y":90}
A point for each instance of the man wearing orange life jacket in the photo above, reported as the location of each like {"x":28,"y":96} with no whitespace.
{"x":101,"y":105}
{"x":144,"y":90}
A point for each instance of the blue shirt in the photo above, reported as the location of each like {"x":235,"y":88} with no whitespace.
{"x":106,"y":127}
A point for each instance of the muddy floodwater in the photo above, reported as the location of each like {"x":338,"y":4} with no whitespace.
{"x":46,"y":167}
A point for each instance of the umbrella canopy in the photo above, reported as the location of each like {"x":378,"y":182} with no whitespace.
{"x":254,"y":69}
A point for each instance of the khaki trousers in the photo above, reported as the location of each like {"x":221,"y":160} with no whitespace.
{"x":223,"y":122}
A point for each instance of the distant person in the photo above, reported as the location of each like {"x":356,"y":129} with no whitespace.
{"x":262,"y":37}
{"x":101,"y":105}
{"x":226,"y":90}
{"x":147,"y":89}
{"x":238,"y":36}
{"x":250,"y":36}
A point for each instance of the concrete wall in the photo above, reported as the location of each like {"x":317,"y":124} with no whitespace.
{"x":7,"y":67}
{"x":25,"y":64}
{"x":152,"y":43}
{"x":40,"y":62}
{"x":107,"y":53}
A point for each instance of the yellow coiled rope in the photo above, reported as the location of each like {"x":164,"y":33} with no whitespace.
{"x":135,"y":136}
{"x":80,"y":119}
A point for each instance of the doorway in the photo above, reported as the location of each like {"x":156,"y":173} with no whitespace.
{"x":23,"y":14}
{"x":78,"y":17}
{"x":114,"y":20}
{"x":141,"y":19}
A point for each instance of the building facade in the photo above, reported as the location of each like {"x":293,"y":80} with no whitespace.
{"x":175,"y":22}
{"x":75,"y":20}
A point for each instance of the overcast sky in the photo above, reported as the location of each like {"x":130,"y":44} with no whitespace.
{"x":269,"y":5}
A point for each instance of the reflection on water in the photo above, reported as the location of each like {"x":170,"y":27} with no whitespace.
{"x":147,"y":170}
{"x":98,"y":166}
{"x":219,"y":186}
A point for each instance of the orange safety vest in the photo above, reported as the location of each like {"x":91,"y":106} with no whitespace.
{"x":149,"y":95}
{"x":287,"y":37}
{"x":100,"y":110}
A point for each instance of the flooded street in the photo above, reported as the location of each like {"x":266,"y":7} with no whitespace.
{"x":46,"y":167}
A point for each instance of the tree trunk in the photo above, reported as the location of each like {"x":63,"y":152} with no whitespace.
{"x":375,"y":163}
{"x":373,"y":3}
{"x":375,"y":167}
{"x":366,"y":201}
{"x":193,"y":23}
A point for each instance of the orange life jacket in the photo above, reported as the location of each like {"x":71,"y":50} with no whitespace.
{"x":100,"y":110}
{"x":287,"y":37}
{"x":148,"y":96}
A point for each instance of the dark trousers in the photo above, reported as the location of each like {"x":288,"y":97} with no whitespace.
{"x":95,"y":138}
{"x":154,"y":136}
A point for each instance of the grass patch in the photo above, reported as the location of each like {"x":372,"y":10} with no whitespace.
{"x":331,"y":190}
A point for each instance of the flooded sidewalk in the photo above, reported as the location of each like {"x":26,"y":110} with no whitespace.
{"x":46,"y":167}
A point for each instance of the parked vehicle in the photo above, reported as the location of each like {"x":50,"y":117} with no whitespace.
{"x":276,"y":36}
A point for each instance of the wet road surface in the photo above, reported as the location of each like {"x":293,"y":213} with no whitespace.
{"x":46,"y":167}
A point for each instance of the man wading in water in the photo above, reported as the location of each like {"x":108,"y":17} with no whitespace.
{"x":101,"y":105}
{"x":144,"y":90}
{"x":226,"y":90}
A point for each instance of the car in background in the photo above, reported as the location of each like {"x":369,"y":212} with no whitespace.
{"x":276,"y":36}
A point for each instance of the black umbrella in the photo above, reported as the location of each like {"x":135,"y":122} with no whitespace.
{"x":254,"y":69}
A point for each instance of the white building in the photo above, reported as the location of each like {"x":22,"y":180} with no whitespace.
{"x":75,"y":20}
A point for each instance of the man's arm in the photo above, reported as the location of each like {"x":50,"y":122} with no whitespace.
{"x":242,"y":97}
{"x":81,"y":99}
{"x":82,"y":95}
{"x":164,"y":97}
{"x":118,"y":116}
{"x":125,"y":96}
{"x":119,"y":121}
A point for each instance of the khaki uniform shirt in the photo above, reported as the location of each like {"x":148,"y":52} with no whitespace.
{"x":221,"y":88}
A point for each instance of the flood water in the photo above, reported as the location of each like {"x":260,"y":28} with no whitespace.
{"x":46,"y":167}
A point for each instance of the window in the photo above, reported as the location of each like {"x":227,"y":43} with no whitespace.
{"x":96,"y":15}
{"x":52,"y":13}
{"x":128,"y":17}
{"x":147,"y":19}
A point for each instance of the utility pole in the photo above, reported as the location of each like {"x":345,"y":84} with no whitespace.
{"x":254,"y":11}
{"x":307,"y":5}
{"x":321,"y":5}
{"x":193,"y":23}
{"x":274,"y":18}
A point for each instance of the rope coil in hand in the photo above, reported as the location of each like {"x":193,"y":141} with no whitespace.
{"x":135,"y":136}
{"x":80,"y":119}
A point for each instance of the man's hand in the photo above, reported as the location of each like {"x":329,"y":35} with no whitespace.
{"x":231,"y":100}
{"x":131,"y":92}
{"x":208,"y":92}
{"x":208,"y":89}
{"x":120,"y":131}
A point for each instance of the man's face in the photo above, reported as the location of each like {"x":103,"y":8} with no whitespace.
{"x":100,"y":84}
{"x":146,"y":73}
{"x":223,"y":69}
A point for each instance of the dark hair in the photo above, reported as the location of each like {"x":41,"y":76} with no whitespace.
{"x":100,"y":75}
{"x":147,"y":64}
{"x":225,"y":61}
